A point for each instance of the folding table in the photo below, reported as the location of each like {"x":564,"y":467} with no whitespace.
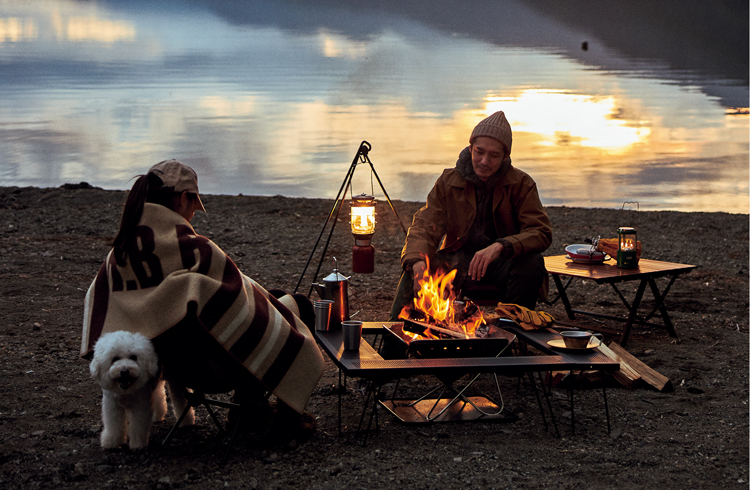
{"x":608,"y":273}
{"x":366,"y":363}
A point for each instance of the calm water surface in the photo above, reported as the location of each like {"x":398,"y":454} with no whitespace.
{"x":274,"y":97}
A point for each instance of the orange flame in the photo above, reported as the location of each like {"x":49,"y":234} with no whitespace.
{"x":436,"y":300}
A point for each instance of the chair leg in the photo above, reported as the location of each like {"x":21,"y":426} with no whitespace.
{"x":176,"y":425}
{"x":231,"y":440}
{"x":214,"y":417}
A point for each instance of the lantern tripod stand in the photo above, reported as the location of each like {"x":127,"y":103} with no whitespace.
{"x":362,"y":157}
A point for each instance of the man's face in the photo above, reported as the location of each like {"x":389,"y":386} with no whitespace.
{"x":486,"y":156}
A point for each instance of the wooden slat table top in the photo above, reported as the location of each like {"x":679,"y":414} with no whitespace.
{"x":609,"y":272}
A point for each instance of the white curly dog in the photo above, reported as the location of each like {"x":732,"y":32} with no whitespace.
{"x":127,"y":368}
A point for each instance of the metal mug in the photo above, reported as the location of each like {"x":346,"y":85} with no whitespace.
{"x":352,"y":332}
{"x":323,"y":310}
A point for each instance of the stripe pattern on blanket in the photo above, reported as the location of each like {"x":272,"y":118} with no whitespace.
{"x":173,"y":266}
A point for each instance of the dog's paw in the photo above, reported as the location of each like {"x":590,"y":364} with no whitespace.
{"x":111,"y":441}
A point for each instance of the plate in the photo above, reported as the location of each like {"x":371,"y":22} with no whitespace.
{"x":588,"y":261}
{"x":560,"y":344}
{"x":585,"y":254}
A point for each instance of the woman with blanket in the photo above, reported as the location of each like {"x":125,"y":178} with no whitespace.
{"x":159,"y":266}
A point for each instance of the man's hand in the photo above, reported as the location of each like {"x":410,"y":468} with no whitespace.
{"x":417,"y":272}
{"x":482,"y":259}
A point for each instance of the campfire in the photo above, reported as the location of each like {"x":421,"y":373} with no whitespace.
{"x":437,"y":308}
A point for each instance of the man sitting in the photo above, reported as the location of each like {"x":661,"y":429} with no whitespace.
{"x":483,"y":218}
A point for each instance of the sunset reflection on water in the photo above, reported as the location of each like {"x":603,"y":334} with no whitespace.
{"x":97,"y":92}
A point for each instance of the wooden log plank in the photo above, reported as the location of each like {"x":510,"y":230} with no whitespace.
{"x":649,"y":375}
{"x":626,"y":376}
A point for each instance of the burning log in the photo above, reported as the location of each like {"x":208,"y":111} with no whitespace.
{"x":466,"y":323}
{"x":436,"y":305}
{"x":425,"y":327}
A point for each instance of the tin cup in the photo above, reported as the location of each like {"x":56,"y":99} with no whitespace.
{"x":575,"y":339}
{"x":323,"y":310}
{"x":352,"y":332}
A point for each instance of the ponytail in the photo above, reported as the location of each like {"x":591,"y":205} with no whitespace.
{"x":147,"y":188}
{"x":131,"y":215}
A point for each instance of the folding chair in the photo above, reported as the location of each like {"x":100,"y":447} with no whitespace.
{"x":192,"y":357}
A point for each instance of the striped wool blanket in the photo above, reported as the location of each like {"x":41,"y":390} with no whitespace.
{"x":174,"y":266}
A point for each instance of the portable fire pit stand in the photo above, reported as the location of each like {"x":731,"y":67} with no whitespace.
{"x":462,"y":407}
{"x":369,"y":365}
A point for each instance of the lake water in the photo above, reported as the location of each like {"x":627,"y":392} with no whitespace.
{"x":274,"y":97}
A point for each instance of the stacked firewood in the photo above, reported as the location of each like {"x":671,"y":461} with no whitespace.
{"x":610,"y":246}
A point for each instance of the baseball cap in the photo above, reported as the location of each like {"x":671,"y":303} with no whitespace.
{"x":179,"y":176}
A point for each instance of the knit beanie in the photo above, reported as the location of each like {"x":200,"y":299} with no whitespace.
{"x":494,"y":126}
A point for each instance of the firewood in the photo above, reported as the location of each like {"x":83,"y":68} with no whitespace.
{"x":650,"y":376}
{"x":610,"y":245}
{"x":626,"y":376}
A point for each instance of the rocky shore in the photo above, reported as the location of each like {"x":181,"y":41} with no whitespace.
{"x":54,"y":240}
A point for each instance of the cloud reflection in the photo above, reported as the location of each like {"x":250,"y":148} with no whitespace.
{"x":91,"y":28}
{"x":65,"y":21}
{"x":13,"y":29}
{"x":559,"y":118}
{"x":258,"y":109}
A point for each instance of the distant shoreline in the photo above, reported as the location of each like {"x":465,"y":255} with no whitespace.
{"x":86,"y":185}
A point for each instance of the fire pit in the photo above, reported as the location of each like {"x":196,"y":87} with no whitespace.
{"x":427,"y":341}
{"x":439,"y":325}
{"x":447,"y":403}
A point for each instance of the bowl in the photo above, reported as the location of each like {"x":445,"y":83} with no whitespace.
{"x":576,"y":339}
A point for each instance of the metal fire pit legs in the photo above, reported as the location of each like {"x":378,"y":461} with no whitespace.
{"x":462,"y":407}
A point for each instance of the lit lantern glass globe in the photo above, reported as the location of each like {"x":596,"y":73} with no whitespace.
{"x":363,"y":227}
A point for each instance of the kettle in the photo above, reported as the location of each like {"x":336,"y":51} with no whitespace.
{"x":335,"y":287}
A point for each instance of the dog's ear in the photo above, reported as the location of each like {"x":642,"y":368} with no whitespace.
{"x":95,"y":366}
{"x":152,"y":362}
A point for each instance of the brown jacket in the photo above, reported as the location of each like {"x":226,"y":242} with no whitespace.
{"x":442,"y":224}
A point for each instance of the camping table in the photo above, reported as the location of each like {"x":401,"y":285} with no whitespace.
{"x":538,"y":339}
{"x":368,"y":364}
{"x":608,"y":273}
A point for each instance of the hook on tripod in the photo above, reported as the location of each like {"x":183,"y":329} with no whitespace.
{"x":364,"y":148}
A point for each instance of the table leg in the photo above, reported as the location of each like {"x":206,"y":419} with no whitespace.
{"x":563,"y":296}
{"x":606,"y":407}
{"x":572,"y":410}
{"x":633,"y":311}
{"x":338,"y":389}
{"x":373,"y":391}
{"x":659,"y":298}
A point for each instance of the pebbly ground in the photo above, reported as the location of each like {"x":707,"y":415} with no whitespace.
{"x":53,"y":242}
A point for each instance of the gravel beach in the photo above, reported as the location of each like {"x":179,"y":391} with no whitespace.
{"x":696,"y":436}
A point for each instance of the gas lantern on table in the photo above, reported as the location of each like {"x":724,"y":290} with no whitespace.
{"x":627,"y":252}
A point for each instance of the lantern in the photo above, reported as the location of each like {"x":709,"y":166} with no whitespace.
{"x":627,"y":249}
{"x":363,"y":227}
